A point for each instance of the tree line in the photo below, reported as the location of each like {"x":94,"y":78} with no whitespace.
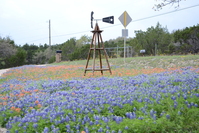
{"x":155,"y":41}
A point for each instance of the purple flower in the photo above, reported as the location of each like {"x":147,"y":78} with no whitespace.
{"x":46,"y":130}
{"x":68,"y":127}
{"x":91,"y":123}
{"x":107,"y":127}
{"x":173,"y":97}
{"x":140,"y":118}
{"x":105,"y":119}
{"x":168,"y":116}
{"x":179,"y":113}
{"x":35,"y":125}
{"x":100,"y":129}
{"x":126,"y":128}
{"x":119,"y":131}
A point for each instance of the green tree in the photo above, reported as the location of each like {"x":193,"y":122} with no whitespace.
{"x":136,"y":46}
{"x":188,"y":39}
{"x":155,"y":40}
{"x":83,"y":41}
{"x":68,"y":48}
{"x":21,"y":56}
{"x":31,"y":51}
{"x":16,"y":60}
{"x":80,"y":53}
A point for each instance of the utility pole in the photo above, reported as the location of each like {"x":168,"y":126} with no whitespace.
{"x":49,"y":34}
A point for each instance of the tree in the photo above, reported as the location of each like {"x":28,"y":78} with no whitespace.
{"x":83,"y":41}
{"x":10,"y":54}
{"x":68,"y":48}
{"x":164,"y":3}
{"x":188,"y":39}
{"x":7,"y":47}
{"x":80,"y":53}
{"x":16,"y":60}
{"x":154,"y":40}
{"x":46,"y":56}
{"x":136,"y":46}
{"x":31,"y":51}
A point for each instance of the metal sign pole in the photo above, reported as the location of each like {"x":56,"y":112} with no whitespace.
{"x":125,"y":48}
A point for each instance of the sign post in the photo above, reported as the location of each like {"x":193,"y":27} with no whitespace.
{"x":125,"y":19}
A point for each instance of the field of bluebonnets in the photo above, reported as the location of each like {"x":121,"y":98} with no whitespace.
{"x":147,"y":94}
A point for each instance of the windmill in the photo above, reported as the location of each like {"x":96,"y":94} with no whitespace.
{"x":98,"y":45}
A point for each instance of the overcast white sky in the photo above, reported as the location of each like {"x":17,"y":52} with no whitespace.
{"x":26,"y":21}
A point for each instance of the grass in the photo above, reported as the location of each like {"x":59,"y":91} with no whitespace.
{"x":145,"y":62}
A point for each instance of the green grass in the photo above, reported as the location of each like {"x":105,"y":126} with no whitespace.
{"x":144,"y":62}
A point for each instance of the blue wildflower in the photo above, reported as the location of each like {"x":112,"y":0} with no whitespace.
{"x":168,"y":116}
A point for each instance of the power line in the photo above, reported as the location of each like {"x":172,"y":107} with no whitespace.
{"x":121,"y":24}
{"x":165,"y":13}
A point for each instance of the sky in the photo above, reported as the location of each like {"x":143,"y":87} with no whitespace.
{"x":27,"y":21}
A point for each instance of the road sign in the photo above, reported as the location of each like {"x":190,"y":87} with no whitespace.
{"x":125,"y":19}
{"x":124,"y":32}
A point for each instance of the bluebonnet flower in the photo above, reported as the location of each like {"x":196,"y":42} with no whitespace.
{"x":126,"y":128}
{"x":20,"y":124}
{"x":168,"y":116}
{"x":140,"y":118}
{"x":55,"y":130}
{"x":192,"y":104}
{"x":86,"y":129}
{"x":179,"y":113}
{"x":107,"y":127}
{"x":35,"y":125}
{"x":100,"y":129}
{"x":105,"y":119}
{"x":173,"y":97}
{"x":46,"y":130}
{"x":119,"y":131}
{"x":185,"y":96}
{"x":134,"y":108}
{"x":68,"y":127}
{"x":91,"y":123}
{"x":24,"y":127}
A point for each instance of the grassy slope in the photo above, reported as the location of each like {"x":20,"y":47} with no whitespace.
{"x":145,"y":62}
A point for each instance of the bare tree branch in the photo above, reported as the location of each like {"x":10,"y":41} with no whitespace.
{"x":163,"y":3}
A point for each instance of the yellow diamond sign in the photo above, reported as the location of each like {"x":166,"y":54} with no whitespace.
{"x":125,"y":19}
